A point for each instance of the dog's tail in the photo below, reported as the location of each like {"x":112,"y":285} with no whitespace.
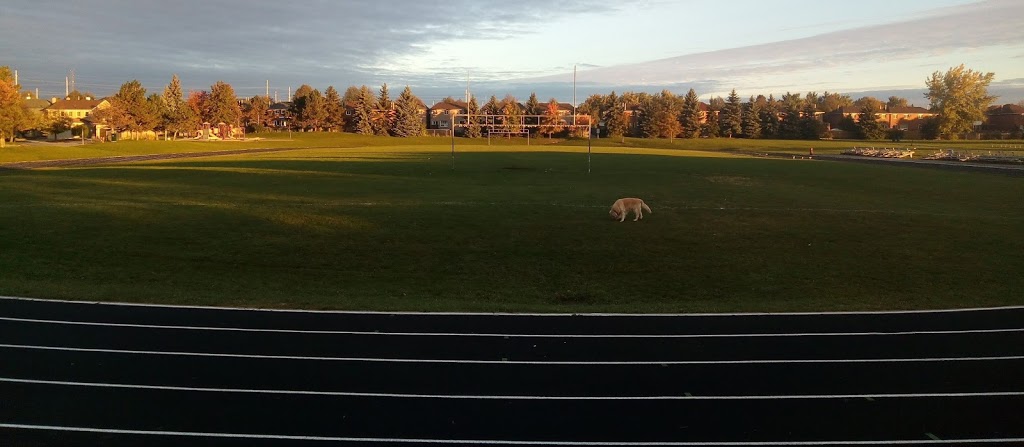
{"x":646,"y":208}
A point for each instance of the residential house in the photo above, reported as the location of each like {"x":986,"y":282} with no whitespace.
{"x":442,"y":114}
{"x":280,"y":115}
{"x":1005,"y":118}
{"x":75,"y":109}
{"x":908,"y":118}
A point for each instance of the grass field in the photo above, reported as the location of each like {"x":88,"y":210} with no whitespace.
{"x":387,"y":224}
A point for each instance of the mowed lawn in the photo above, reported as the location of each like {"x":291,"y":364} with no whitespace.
{"x":513,"y":228}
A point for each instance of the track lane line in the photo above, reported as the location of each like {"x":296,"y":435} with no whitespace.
{"x":511,"y":314}
{"x":687,"y":396}
{"x":497,"y":442}
{"x":513,"y":362}
{"x":503,"y":335}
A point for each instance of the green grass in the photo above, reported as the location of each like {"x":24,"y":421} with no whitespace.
{"x":512,"y":228}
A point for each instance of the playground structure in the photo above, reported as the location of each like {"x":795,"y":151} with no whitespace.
{"x":222,"y":131}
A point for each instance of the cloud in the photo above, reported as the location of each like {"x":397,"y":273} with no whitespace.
{"x":942,"y":31}
{"x":317,"y":41}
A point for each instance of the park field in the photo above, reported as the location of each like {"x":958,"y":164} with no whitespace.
{"x":345,"y":222}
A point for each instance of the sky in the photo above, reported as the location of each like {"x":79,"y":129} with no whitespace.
{"x":868,"y":47}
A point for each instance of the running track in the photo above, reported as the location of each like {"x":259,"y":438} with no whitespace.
{"x":116,"y":374}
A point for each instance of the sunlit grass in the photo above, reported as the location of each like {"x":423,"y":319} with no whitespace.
{"x":512,"y":228}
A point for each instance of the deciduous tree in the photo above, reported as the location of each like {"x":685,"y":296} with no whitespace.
{"x":11,"y":111}
{"x":960,"y":96}
{"x":828,"y":102}
{"x":139,"y":113}
{"x":896,"y":101}
{"x":256,"y":112}
{"x":550,"y":122}
{"x":512,"y":114}
{"x":224,"y":106}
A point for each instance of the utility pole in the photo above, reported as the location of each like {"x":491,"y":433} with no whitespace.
{"x":574,"y":97}
{"x":268,"y":88}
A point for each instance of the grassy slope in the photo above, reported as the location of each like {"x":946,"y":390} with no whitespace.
{"x":513,"y":228}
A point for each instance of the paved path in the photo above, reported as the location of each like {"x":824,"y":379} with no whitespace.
{"x":88,"y":374}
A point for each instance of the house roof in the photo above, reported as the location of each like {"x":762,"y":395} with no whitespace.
{"x":75,"y":104}
{"x":459,"y":105}
{"x":284,"y":105}
{"x":38,"y":104}
{"x":1005,"y":109}
{"x":908,"y":109}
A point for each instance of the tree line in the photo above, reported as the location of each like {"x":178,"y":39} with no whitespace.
{"x":959,"y":97}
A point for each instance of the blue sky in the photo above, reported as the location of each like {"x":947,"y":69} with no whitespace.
{"x":757,"y":47}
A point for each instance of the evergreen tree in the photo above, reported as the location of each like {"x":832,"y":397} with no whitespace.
{"x":790,"y":127}
{"x":811,"y":128}
{"x":689,"y":117}
{"x":473,"y":129}
{"x":615,"y":119}
{"x":770,"y":118}
{"x":712,"y":127}
{"x":731,"y":119}
{"x":868,"y":126}
{"x":179,"y":116}
{"x":533,"y":107}
{"x":408,"y":122}
{"x":365,"y":105}
{"x":492,"y":107}
{"x":663,"y":117}
{"x":751,"y":119}
{"x":335,"y":120}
